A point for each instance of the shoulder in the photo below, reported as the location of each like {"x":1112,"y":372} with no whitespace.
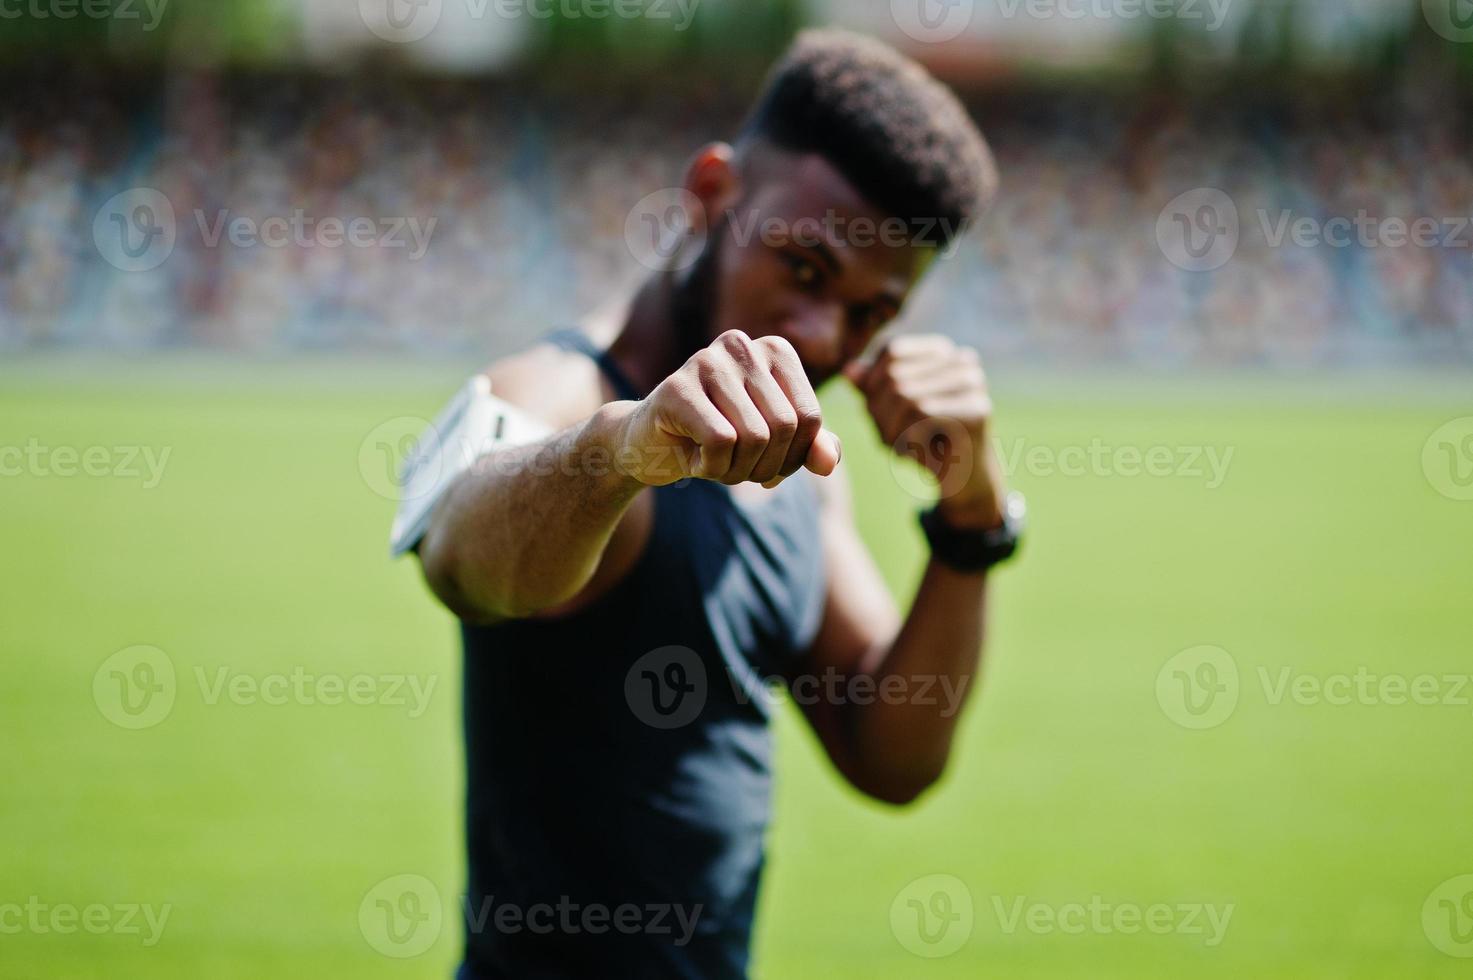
{"x":560,"y":387}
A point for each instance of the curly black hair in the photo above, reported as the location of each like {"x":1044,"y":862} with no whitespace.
{"x":897,"y":134}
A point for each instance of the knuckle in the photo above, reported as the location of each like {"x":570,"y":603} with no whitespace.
{"x":784,"y":424}
{"x":735,"y":342}
{"x":779,"y":346}
{"x":712,"y":369}
{"x":701,"y":365}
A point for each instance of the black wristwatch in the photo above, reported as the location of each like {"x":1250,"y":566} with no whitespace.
{"x":976,"y":551}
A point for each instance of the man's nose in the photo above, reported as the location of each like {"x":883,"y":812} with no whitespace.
{"x":816,"y":332}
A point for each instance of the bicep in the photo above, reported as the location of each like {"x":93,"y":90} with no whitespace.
{"x":557,"y":390}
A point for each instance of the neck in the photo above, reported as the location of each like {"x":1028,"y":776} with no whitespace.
{"x":650,"y":347}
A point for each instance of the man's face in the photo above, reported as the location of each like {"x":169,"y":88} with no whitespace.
{"x":801,"y":255}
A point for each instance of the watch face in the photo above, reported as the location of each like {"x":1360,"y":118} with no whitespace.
{"x":1016,"y":508}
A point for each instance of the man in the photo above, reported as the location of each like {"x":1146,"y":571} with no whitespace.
{"x":679,"y":534}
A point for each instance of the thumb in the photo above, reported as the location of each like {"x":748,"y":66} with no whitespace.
{"x":824,"y":454}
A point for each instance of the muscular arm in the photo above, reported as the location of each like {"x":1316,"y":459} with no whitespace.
{"x":539,"y":529}
{"x":894,"y":745}
{"x":893,"y":742}
{"x":526,"y":528}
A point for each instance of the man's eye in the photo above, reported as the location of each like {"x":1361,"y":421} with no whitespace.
{"x":871,"y":319}
{"x":805,"y":273}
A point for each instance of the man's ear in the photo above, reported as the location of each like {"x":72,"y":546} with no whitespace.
{"x":712,"y":177}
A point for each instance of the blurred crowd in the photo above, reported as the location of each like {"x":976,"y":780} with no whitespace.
{"x":524,"y":191}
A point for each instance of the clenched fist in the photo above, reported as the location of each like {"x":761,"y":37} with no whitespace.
{"x":740,"y":411}
{"x":930,"y":401}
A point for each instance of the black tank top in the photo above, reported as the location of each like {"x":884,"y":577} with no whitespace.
{"x":619,"y":760}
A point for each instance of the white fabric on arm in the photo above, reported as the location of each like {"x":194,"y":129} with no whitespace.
{"x":475,"y":423}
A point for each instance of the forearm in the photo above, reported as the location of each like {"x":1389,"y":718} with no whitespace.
{"x":901,"y":739}
{"x":929,"y":399}
{"x":524,"y":529}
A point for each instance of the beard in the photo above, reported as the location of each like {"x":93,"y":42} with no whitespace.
{"x":694,"y":296}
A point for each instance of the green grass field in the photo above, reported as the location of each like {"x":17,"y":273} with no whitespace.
{"x":1326,"y":827}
